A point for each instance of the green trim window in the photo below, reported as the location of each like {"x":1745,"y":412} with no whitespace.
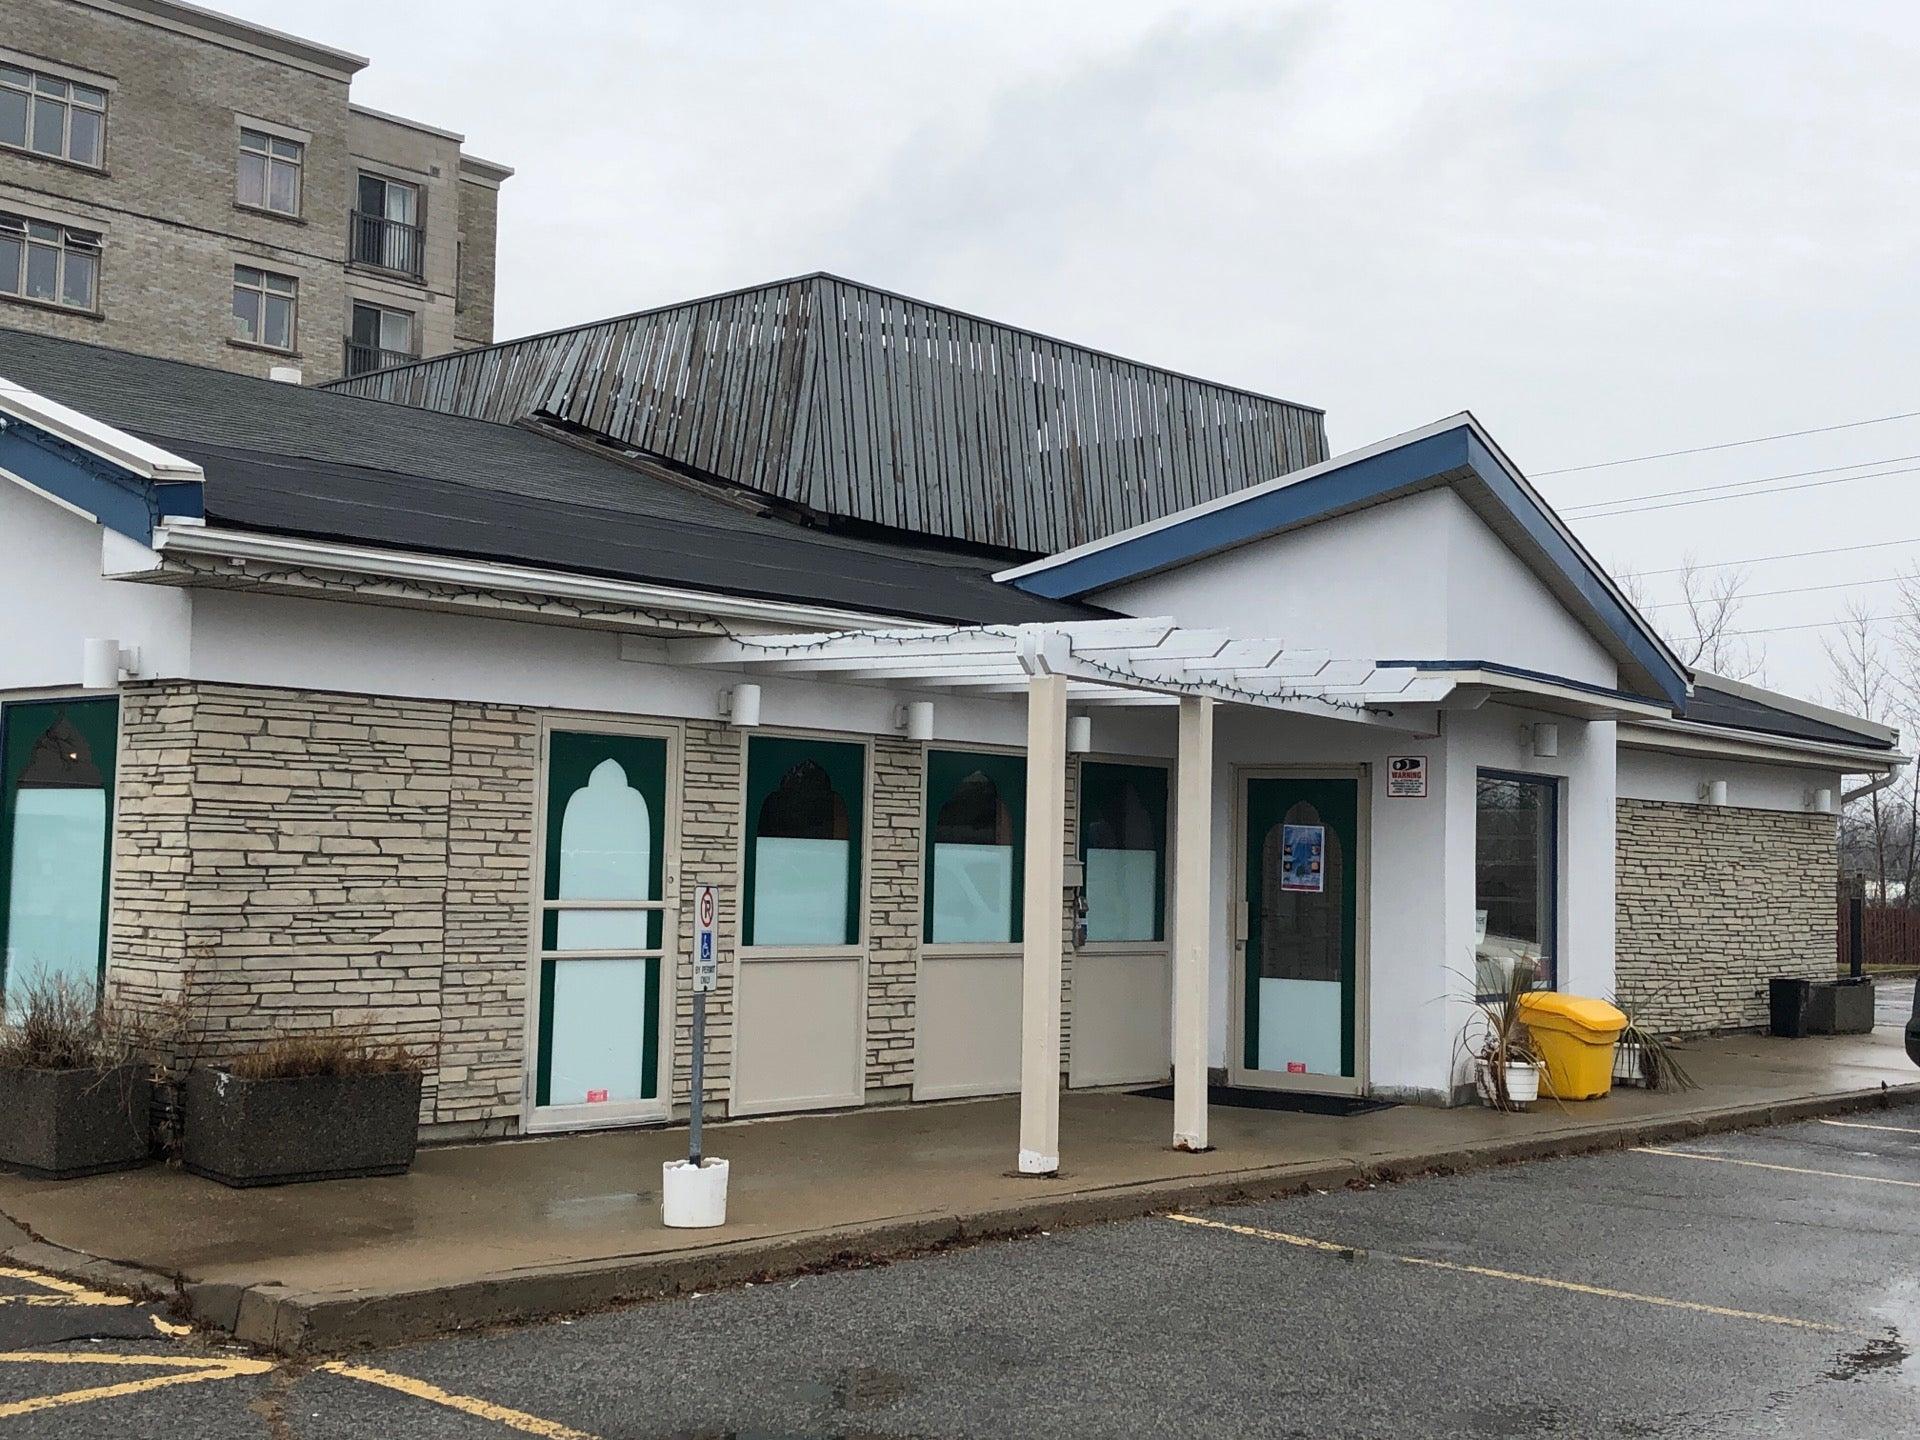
{"x":56,"y":836}
{"x":1123,"y":844}
{"x":976,"y":848}
{"x":601,"y":919}
{"x":805,"y":803}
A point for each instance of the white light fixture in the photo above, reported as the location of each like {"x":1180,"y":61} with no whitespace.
{"x":916,"y":718}
{"x":1820,"y":801}
{"x":1079,"y":734}
{"x":1546,"y":740}
{"x":103,"y":661}
{"x":741,"y":704}
{"x":1714,"y":792}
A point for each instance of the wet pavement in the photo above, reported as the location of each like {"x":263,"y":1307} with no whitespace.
{"x":1749,"y":1284}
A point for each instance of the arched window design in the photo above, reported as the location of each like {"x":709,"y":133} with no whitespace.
{"x":975,"y":847}
{"x":804,"y":800}
{"x":56,"y":811}
{"x":601,"y":920}
{"x":1123,"y":844}
{"x":606,"y":853}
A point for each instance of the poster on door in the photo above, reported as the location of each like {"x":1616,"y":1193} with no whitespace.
{"x":1303,"y":853}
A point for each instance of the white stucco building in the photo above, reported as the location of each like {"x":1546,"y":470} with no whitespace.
{"x":1032,"y":738}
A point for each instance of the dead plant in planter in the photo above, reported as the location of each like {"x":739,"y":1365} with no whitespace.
{"x":1496,"y":1038}
{"x":1647,"y":1058}
{"x":75,"y":1090}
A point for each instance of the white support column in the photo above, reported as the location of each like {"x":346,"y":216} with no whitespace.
{"x":1041,"y":947}
{"x":1192,"y":910}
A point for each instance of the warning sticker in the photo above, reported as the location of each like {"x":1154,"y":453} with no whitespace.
{"x":1406,"y":777}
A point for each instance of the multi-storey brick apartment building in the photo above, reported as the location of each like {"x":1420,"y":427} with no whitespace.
{"x":181,"y":183}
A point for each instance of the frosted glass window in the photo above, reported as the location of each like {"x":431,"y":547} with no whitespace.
{"x":53,"y":893}
{"x":803,"y":857}
{"x":599,"y":1011}
{"x":972,"y":894}
{"x":605,"y":854}
{"x":1123,"y":887}
{"x":800,"y":892}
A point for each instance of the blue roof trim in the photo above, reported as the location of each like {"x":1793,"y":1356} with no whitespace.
{"x":1248,"y":519}
{"x":1374,"y":477}
{"x":1520,"y":672}
{"x":117,"y":498}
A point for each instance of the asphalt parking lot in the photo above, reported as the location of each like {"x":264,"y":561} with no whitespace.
{"x":1754,"y":1284}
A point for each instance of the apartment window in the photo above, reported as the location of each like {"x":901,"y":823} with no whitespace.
{"x":1515,"y":875}
{"x":386,"y":225}
{"x":53,"y":117}
{"x":52,"y":263}
{"x":270,"y":172}
{"x":379,"y":338}
{"x":264,"y":307}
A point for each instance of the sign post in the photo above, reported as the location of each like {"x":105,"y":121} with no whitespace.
{"x":706,"y":969}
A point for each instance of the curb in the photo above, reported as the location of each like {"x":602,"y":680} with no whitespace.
{"x":317,"y":1322}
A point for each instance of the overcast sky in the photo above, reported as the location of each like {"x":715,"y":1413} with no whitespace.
{"x":1608,"y":229}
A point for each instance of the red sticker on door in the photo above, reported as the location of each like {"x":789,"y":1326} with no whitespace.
{"x":595,"y":1097}
{"x":1296,"y":1067}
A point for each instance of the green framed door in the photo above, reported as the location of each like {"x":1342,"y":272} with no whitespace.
{"x":603,"y":930}
{"x":56,"y":840}
{"x":1300,"y":963}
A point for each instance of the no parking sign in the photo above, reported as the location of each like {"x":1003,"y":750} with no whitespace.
{"x":706,"y":959}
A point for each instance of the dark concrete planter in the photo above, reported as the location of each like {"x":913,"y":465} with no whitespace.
{"x":314,"y":1127}
{"x":1840,"y":1007}
{"x":58,"y":1124}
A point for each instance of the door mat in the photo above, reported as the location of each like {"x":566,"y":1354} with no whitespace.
{"x":1240,"y":1097}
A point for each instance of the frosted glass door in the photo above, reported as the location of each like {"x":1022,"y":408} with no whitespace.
{"x":602,"y":927}
{"x":56,"y":811}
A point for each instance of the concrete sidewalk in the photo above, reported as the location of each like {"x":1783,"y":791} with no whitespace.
{"x":482,"y":1234}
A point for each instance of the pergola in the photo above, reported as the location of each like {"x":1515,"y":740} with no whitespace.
{"x":1130,"y":662}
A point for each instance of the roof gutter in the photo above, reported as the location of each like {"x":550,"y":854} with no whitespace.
{"x":1686,"y":737}
{"x":246,"y":545}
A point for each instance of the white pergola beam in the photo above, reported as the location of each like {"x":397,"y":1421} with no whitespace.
{"x":1192,"y":921}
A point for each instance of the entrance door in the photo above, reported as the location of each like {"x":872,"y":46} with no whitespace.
{"x":1300,"y":984}
{"x":604,"y":935}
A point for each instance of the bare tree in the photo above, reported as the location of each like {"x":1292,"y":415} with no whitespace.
{"x":1866,"y":683}
{"x":1702,"y":624}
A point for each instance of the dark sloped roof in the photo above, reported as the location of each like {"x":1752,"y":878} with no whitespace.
{"x":322,"y":465}
{"x":858,"y":402}
{"x":1711,"y":706}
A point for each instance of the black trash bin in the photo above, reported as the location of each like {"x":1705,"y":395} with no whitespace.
{"x":1787,"y":997}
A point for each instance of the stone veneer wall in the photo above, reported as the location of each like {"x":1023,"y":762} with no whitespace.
{"x":1712,"y":901}
{"x":317,"y":859}
{"x":312,"y":860}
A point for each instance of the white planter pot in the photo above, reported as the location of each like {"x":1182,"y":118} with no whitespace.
{"x":1523,"y":1082}
{"x":693,"y":1198}
{"x":1627,"y":1065}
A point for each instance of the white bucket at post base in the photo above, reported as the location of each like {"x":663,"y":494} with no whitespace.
{"x":693,"y":1197}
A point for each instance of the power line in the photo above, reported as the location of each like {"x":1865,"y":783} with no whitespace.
{"x":1727,"y":445}
{"x":1784,"y":555}
{"x":1821,"y":624}
{"x":1732,"y":484}
{"x":1791,"y":590}
{"x":1746,"y":494}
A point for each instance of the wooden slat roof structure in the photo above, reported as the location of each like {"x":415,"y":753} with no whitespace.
{"x":857,"y":403}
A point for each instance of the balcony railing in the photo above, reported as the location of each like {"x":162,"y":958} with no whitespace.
{"x":388,"y":244}
{"x":362,"y":358}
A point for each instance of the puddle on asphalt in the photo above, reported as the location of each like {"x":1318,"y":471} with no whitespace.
{"x":1885,"y":1353}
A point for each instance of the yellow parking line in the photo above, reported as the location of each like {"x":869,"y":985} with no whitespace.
{"x":1860,"y":1125}
{"x":1764,"y":1165}
{"x":181,"y":1371}
{"x":1664,"y":1302}
{"x":466,"y":1404}
{"x":69,"y":1293}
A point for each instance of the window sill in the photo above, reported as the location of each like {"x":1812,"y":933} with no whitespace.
{"x":51,"y":305}
{"x":268,"y":213}
{"x":62,"y":161}
{"x":260,"y":349}
{"x":379,"y":272}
